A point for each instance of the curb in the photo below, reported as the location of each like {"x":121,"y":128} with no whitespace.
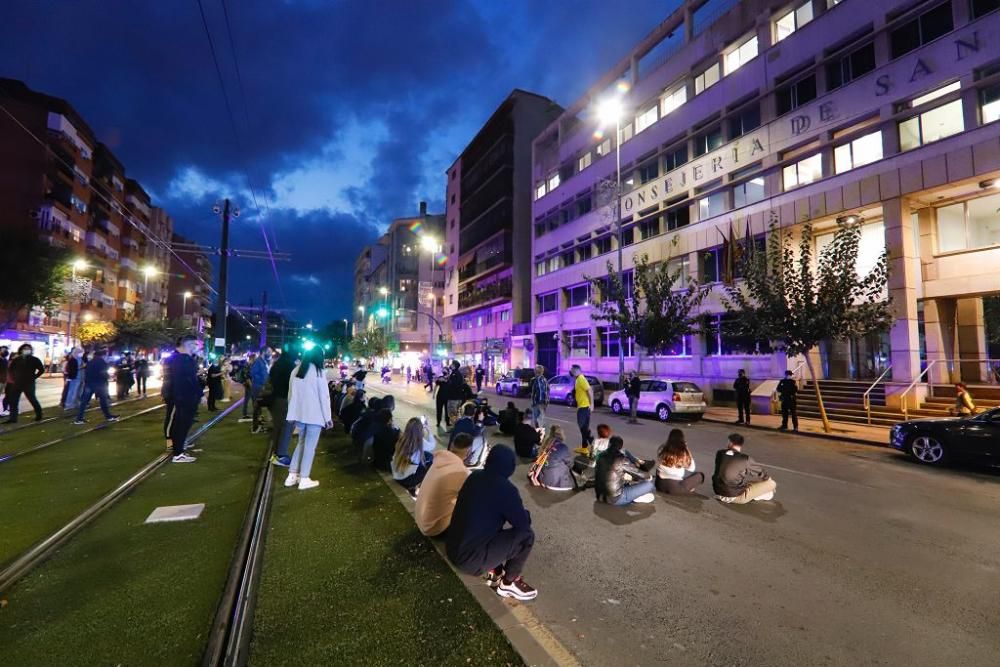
{"x":805,"y":434}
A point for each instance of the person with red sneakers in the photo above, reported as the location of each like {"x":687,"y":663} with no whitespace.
{"x":478,"y":541}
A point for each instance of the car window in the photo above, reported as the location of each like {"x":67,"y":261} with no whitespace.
{"x":644,"y":385}
{"x":686,"y":387}
{"x":593,"y":381}
{"x":559,"y":379}
{"x":659,"y":386}
{"x":525,"y":373}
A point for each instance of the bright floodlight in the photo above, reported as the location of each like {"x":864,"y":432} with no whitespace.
{"x":150,"y":271}
{"x":383,"y":291}
{"x":361,"y":309}
{"x":610,"y":111}
{"x":188,"y":295}
{"x":80,"y":264}
{"x":429,"y":243}
{"x":382,"y":312}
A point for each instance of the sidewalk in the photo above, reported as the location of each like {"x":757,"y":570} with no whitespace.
{"x":860,"y":433}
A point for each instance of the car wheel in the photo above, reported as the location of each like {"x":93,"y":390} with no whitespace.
{"x":616,"y":407}
{"x":571,"y":401}
{"x":928,"y":449}
{"x":662,"y":412}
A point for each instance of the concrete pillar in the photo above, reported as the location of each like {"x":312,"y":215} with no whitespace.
{"x":971,"y":334}
{"x":904,"y":337}
{"x":939,"y":328}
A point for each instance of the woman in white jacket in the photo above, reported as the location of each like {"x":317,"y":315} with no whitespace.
{"x":309,"y":408}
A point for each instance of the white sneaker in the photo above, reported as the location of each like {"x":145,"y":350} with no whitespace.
{"x":292,"y":479}
{"x":183,"y":458}
{"x":645,"y":498}
{"x":766,"y":496}
{"x":306,"y":483}
{"x":244,"y":420}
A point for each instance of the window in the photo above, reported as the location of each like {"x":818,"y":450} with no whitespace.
{"x":628,"y":236}
{"x":722,"y":338}
{"x":609,"y":343}
{"x":452,"y":223}
{"x":710,"y":266}
{"x":937,"y":123}
{"x":968,"y":225}
{"x":539,"y":192}
{"x":646,"y":118}
{"x":626,"y":132}
{"x":802,"y":172}
{"x":708,"y":141}
{"x":920,"y":29}
{"x":934,"y":94}
{"x":540,"y":229}
{"x":795,"y":94}
{"x":677,"y":217}
{"x":548,"y":302}
{"x":648,"y":171}
{"x":850,"y":66}
{"x":584,"y":161}
{"x":453,"y":199}
{"x":586,"y":251}
{"x":793,"y":20}
{"x":568,"y":258}
{"x":675,"y":158}
{"x":741,"y":55}
{"x":603,"y":148}
{"x":747,"y":119}
{"x":712,"y":205}
{"x":489,"y":317}
{"x":673,"y":100}
{"x":578,"y":295}
{"x":553,"y":264}
{"x":863,"y":150}
{"x":649,"y":227}
{"x":584,"y":205}
{"x":983,"y":7}
{"x":678,"y":266}
{"x":578,"y":341}
{"x":989,"y":98}
{"x":553,"y":182}
{"x":504,"y":315}
{"x":749,"y":192}
{"x":707,"y":78}
{"x":603,"y":245}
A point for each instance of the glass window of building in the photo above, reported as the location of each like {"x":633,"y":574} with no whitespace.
{"x":553,"y":182}
{"x":584,"y":161}
{"x":934,"y":94}
{"x":793,"y":20}
{"x":649,"y":171}
{"x":723,"y":338}
{"x":920,"y":29}
{"x":672,"y":100}
{"x":578,"y":295}
{"x":712,"y":205}
{"x":628,"y":236}
{"x":649,"y":227}
{"x":983,"y":7}
{"x":603,"y":148}
{"x":708,"y":141}
{"x":850,"y":66}
{"x":794,"y":95}
{"x":504,"y":315}
{"x":677,"y":217}
{"x":569,"y":258}
{"x":931,"y":125}
{"x":709,"y":267}
{"x":802,"y":172}
{"x":578,"y":341}
{"x":603,"y":245}
{"x":586,"y":251}
{"x":748,"y":192}
{"x":990,"y":103}
{"x":706,"y":78}
{"x":678,"y":266}
{"x":741,"y":54}
{"x":610,"y":341}
{"x":646,"y":118}
{"x":540,"y":190}
{"x":548,"y":302}
{"x":675,"y":158}
{"x":863,"y":150}
{"x":745,"y":120}
{"x":969,"y":225}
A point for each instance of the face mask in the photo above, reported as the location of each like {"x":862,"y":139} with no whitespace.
{"x":26,"y":353}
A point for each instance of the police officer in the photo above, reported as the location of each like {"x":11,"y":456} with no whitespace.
{"x":788,"y":393}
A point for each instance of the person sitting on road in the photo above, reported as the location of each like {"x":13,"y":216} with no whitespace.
{"x":738,"y":479}
{"x":478,"y":542}
{"x":362,"y":426}
{"x":352,"y":410}
{"x":510,"y":418}
{"x":675,"y":471}
{"x":553,"y":467}
{"x":383,"y":437}
{"x":439,"y":490}
{"x":412,"y":456}
{"x":964,"y":406}
{"x":527,"y":438}
{"x":345,"y":400}
{"x":467,"y":423}
{"x":611,"y":477}
{"x":600,"y":444}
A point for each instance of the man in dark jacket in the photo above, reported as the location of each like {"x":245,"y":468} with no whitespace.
{"x":478,"y":542}
{"x":280,"y":376}
{"x":480,"y":376}
{"x":384,"y":437}
{"x":509,"y":418}
{"x":742,"y":388}
{"x":632,"y":390}
{"x":141,"y":375}
{"x":362,"y":427}
{"x":610,"y":484}
{"x":22,"y":372}
{"x":467,"y":424}
{"x":5,"y":387}
{"x":352,"y":411}
{"x":527,"y":438}
{"x":788,"y":393}
{"x":441,"y":399}
{"x":184,"y":395}
{"x":73,"y":376}
{"x":95,"y":383}
{"x":738,"y":479}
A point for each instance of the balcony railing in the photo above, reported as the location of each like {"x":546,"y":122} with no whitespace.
{"x":476,"y":296}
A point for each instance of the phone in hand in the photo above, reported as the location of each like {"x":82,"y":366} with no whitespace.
{"x":423,"y":419}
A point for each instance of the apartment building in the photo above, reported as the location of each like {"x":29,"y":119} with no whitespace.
{"x":155,"y":274}
{"x":813,"y":110}
{"x":369,"y":273}
{"x":190,"y":298}
{"x":488,"y":198}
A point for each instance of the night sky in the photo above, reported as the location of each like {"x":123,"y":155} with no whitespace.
{"x":348,"y":114}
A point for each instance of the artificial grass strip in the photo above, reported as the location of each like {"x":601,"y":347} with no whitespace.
{"x":348,"y":580}
{"x":125,"y":593}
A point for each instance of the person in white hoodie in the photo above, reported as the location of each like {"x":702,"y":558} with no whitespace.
{"x":309,"y":409}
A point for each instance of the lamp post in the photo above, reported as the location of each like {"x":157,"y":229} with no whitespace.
{"x":184,"y":308}
{"x":147,"y":271}
{"x":432,"y":246}
{"x":77,"y":265}
{"x":610,"y":111}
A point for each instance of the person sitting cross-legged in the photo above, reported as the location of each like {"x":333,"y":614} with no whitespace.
{"x":479,"y":541}
{"x":553,"y":467}
{"x":439,"y":490}
{"x":738,"y":479}
{"x":413,"y":455}
{"x":509,"y":419}
{"x":612,"y":474}
{"x":675,"y":471}
{"x":527,"y":438}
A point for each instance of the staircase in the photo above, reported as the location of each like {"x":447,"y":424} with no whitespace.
{"x":844,"y":402}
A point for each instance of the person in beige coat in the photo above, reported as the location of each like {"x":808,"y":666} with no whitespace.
{"x":440,"y":487}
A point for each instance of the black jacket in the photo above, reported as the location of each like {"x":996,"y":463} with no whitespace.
{"x":281,"y":375}
{"x":183,"y":387}
{"x":142,"y":368}
{"x":351,"y":412}
{"x":633,"y":387}
{"x":384,"y":439}
{"x":742,"y":386}
{"x":4,"y":365}
{"x":72,"y":368}
{"x":734,"y":472}
{"x":95,"y":373}
{"x":509,"y":420}
{"x":23,"y":371}
{"x":609,"y":475}
{"x":787,"y":390}
{"x":526,"y":440}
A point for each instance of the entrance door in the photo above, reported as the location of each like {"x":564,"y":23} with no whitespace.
{"x":548,"y":352}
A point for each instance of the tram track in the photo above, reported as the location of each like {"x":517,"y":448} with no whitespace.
{"x":68,"y":415}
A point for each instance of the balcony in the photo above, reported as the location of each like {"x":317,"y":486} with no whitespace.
{"x":478,"y":296}
{"x":521,"y":329}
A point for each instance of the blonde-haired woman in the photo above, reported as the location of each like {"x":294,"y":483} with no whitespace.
{"x":556,"y":470}
{"x":412,"y":457}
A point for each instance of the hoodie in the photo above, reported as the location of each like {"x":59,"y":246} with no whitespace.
{"x":487,"y":503}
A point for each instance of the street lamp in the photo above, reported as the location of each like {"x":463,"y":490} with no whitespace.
{"x":77,"y":265}
{"x":610,"y":111}
{"x":432,"y":246}
{"x":147,"y":272}
{"x":384,"y":291}
{"x":184,"y":308}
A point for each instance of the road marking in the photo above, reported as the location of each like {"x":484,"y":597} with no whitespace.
{"x":814,"y":475}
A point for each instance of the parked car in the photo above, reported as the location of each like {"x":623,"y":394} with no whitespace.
{"x":561,"y":389}
{"x":663,"y":398}
{"x":516,"y":383}
{"x":941,"y":440}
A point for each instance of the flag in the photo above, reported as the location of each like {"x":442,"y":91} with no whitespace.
{"x":729,"y":255}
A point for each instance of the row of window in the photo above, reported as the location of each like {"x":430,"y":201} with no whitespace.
{"x":475,"y":321}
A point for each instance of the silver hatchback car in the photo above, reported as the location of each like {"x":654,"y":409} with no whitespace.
{"x":663,"y":398}
{"x":561,"y":389}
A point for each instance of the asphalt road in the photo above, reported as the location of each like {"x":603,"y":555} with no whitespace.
{"x":48,"y":390}
{"x":863,"y":558}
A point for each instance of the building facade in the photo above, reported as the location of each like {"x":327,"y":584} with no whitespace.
{"x":814,"y":110}
{"x":190,"y":299}
{"x":488,"y":199}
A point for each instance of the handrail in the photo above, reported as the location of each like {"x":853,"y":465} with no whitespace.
{"x":867,"y":398}
{"x":902,"y":397}
{"x":795,"y":372}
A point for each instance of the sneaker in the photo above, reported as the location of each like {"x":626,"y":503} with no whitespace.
{"x":257,"y":429}
{"x":413,"y":492}
{"x":306,"y":483}
{"x":183,"y":458}
{"x":113,"y":418}
{"x":645,"y":498}
{"x":78,"y":422}
{"x":494,"y":576}
{"x":244,"y":420}
{"x":517,"y":589}
{"x":292,"y":479}
{"x":283,"y":461}
{"x":766,"y":496}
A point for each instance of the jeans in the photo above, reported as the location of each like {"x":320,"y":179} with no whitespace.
{"x":583,"y":421}
{"x":72,"y":396}
{"x":788,"y":408}
{"x":101,"y":392}
{"x":633,"y":407}
{"x":279,"y":410}
{"x":509,"y":548}
{"x":15,"y":401}
{"x":281,"y":449}
{"x":631,"y":492}
{"x":141,"y":383}
{"x":179,"y":423}
{"x":305,"y":450}
{"x":538,"y":415}
{"x":743,"y":407}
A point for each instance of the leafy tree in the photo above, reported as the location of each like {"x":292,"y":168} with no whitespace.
{"x":35,"y":272}
{"x":135,"y":333}
{"x":97,"y":332}
{"x":797,"y":300}
{"x":369,"y":343}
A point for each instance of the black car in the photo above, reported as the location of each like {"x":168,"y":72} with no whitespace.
{"x":938,"y":441}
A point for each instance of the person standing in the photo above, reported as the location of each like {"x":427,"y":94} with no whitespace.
{"x":183,"y":394}
{"x":74,"y":379}
{"x":788,"y":392}
{"x":95,"y":383}
{"x":583,"y":394}
{"x":4,"y":386}
{"x":742,"y":388}
{"x":359,"y":377}
{"x":23,"y":371}
{"x":123,"y":376}
{"x":244,"y":377}
{"x":480,"y":376}
{"x":214,"y":385}
{"x":539,"y":390}
{"x":258,"y":378}
{"x":141,"y":375}
{"x":409,"y":375}
{"x":227,"y":380}
{"x":309,"y":408}
{"x":632,"y":392}
{"x":429,"y":376}
{"x":281,"y":435}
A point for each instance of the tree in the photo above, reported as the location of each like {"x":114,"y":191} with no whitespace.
{"x":96,"y":332}
{"x":135,"y":333}
{"x":369,"y":343}
{"x":797,"y":300}
{"x":35,"y":272}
